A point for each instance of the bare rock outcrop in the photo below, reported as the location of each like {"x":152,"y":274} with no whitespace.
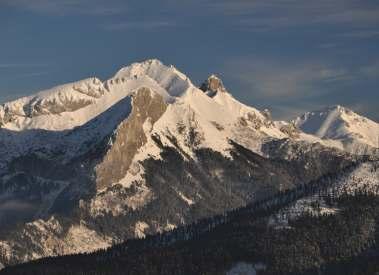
{"x":147,"y":107}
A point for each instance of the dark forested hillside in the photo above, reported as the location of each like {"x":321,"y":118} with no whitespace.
{"x":342,"y":241}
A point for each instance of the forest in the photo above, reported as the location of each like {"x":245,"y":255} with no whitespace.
{"x":341,"y":242}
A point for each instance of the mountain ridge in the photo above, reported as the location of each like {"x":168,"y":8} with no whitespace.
{"x":149,"y":152}
{"x":342,"y":124}
{"x":81,"y":101}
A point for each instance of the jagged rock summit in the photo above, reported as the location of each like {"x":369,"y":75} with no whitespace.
{"x":213,"y":85}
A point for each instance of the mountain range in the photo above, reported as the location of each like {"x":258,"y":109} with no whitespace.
{"x":91,"y":164}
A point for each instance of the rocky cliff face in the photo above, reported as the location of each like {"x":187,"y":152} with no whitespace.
{"x":129,"y":137}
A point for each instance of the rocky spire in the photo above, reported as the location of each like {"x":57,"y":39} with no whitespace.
{"x":212,"y":86}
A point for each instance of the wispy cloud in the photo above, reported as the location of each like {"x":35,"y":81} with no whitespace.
{"x":290,"y":87}
{"x":27,"y":75}
{"x":32,"y":74}
{"x":268,"y":15}
{"x":370,"y":70}
{"x":63,"y":7}
{"x":143,"y":25}
{"x":20,"y":65}
{"x":268,"y":78}
{"x":361,"y":34}
{"x":327,"y":45}
{"x":13,"y":71}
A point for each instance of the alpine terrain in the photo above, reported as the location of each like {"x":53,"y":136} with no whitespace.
{"x":175,"y":178}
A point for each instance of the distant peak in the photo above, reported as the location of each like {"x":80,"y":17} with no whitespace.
{"x":335,"y":109}
{"x":213,"y":85}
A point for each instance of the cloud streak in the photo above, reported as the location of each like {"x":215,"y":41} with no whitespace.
{"x":138,"y":25}
{"x":277,"y":79}
{"x":19,"y":65}
{"x":64,"y":7}
{"x":272,"y":14}
{"x":289,"y":88}
{"x":270,"y":78}
{"x":361,"y":34}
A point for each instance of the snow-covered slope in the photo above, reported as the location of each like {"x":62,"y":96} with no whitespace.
{"x":357,"y":133}
{"x":47,"y":117}
{"x":71,"y":105}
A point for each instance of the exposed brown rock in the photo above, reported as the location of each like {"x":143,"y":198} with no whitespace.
{"x":213,"y":85}
{"x":129,"y":137}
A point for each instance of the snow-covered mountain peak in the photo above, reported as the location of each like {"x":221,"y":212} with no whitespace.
{"x":340,"y":123}
{"x":68,"y":98}
{"x":62,"y":98}
{"x":140,"y":68}
{"x":71,"y":105}
{"x":167,"y":77}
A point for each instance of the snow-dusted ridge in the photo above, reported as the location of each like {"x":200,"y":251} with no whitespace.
{"x":72,"y":105}
{"x":67,"y":107}
{"x":356,"y":133}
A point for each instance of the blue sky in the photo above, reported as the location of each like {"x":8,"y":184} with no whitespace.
{"x":285,"y":55}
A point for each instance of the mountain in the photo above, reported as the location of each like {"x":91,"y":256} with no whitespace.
{"x":90,"y":164}
{"x":356,"y":133}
